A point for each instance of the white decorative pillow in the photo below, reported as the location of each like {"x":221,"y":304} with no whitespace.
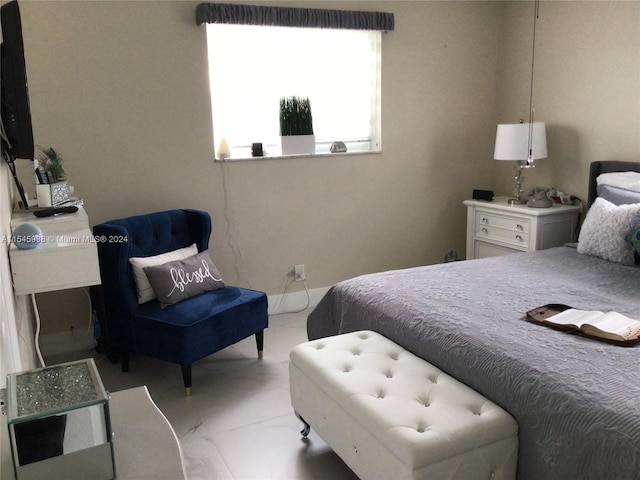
{"x":625,"y":180}
{"x":145,"y":291}
{"x":604,"y":230}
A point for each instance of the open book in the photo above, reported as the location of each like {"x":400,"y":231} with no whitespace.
{"x":610,"y":326}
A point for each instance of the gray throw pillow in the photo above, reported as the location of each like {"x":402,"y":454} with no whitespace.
{"x":181,"y":279}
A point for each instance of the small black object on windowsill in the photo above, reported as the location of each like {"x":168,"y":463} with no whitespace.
{"x":486,"y":195}
{"x":256,"y":150}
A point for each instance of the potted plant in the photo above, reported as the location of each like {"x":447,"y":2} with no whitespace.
{"x":296,"y":126}
{"x":52,"y":188}
{"x":51,"y":162}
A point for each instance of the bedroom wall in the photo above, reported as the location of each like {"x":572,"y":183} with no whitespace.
{"x":587,"y":86}
{"x":121,"y":90}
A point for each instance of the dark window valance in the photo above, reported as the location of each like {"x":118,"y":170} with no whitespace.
{"x":293,"y":17}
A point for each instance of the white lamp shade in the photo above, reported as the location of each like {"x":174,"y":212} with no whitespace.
{"x":512,"y":141}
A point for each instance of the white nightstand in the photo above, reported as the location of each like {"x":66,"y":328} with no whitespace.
{"x":497,"y":228}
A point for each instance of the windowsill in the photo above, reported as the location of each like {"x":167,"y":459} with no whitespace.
{"x":286,"y":157}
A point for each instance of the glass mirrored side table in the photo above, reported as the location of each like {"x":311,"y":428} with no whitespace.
{"x":59,"y":423}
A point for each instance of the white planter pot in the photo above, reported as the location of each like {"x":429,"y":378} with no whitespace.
{"x":52,"y":194}
{"x":298,"y":145}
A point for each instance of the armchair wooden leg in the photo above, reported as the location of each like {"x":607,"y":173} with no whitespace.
{"x":260,"y":342}
{"x":124,"y":360}
{"x":186,"y":378}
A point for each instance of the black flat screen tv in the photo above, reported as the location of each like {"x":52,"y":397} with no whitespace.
{"x":17,"y":137}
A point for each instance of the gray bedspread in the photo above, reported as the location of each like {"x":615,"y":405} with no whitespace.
{"x":576,"y":400}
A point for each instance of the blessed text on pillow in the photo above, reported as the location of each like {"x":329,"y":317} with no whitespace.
{"x":182,"y":279}
{"x":145,"y":291}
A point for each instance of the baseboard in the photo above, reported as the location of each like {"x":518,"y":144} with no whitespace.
{"x":295,"y":301}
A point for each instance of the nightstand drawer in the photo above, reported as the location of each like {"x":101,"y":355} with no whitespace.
{"x":486,"y":219}
{"x":502,"y":234}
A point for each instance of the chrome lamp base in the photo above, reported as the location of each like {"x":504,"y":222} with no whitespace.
{"x":517,"y":191}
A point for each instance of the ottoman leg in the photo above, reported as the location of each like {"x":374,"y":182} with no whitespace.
{"x":307,"y":428}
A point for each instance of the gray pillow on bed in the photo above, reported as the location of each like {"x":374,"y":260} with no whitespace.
{"x":182,"y":279}
{"x":617,"y":195}
{"x":605,"y":228}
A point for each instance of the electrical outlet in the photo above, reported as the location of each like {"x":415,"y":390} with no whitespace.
{"x":298,"y":273}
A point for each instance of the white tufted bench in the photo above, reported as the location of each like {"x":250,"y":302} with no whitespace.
{"x":391,"y":415}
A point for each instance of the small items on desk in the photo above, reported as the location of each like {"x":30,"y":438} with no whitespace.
{"x":48,"y":212}
{"x":27,"y":236}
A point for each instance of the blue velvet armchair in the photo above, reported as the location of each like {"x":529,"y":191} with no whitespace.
{"x":189,"y":330}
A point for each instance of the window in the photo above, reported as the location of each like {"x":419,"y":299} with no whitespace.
{"x":251,"y":67}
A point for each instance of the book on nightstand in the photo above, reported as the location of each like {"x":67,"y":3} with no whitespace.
{"x":611,"y":327}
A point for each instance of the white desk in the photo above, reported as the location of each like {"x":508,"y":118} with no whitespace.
{"x":145,"y":445}
{"x":68,"y":258}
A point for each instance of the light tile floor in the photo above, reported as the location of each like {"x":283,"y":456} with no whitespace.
{"x":239,"y":423}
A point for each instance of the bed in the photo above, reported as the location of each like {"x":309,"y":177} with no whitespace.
{"x":576,"y":400}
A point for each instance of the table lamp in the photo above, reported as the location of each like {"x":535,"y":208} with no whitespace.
{"x":524,"y":143}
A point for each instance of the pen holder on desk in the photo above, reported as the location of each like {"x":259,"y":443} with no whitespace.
{"x":52,"y":194}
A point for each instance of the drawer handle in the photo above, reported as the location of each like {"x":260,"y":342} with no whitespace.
{"x":485,"y":220}
{"x":484,"y":230}
{"x":519,"y":227}
{"x":519,"y":237}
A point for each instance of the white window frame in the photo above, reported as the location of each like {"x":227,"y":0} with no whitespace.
{"x":243,"y":73}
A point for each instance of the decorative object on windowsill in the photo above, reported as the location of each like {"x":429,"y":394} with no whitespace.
{"x":523,"y":142}
{"x":223,"y":150}
{"x":338,"y":147}
{"x":296,"y":126}
{"x":256,"y":150}
{"x":52,"y":188}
